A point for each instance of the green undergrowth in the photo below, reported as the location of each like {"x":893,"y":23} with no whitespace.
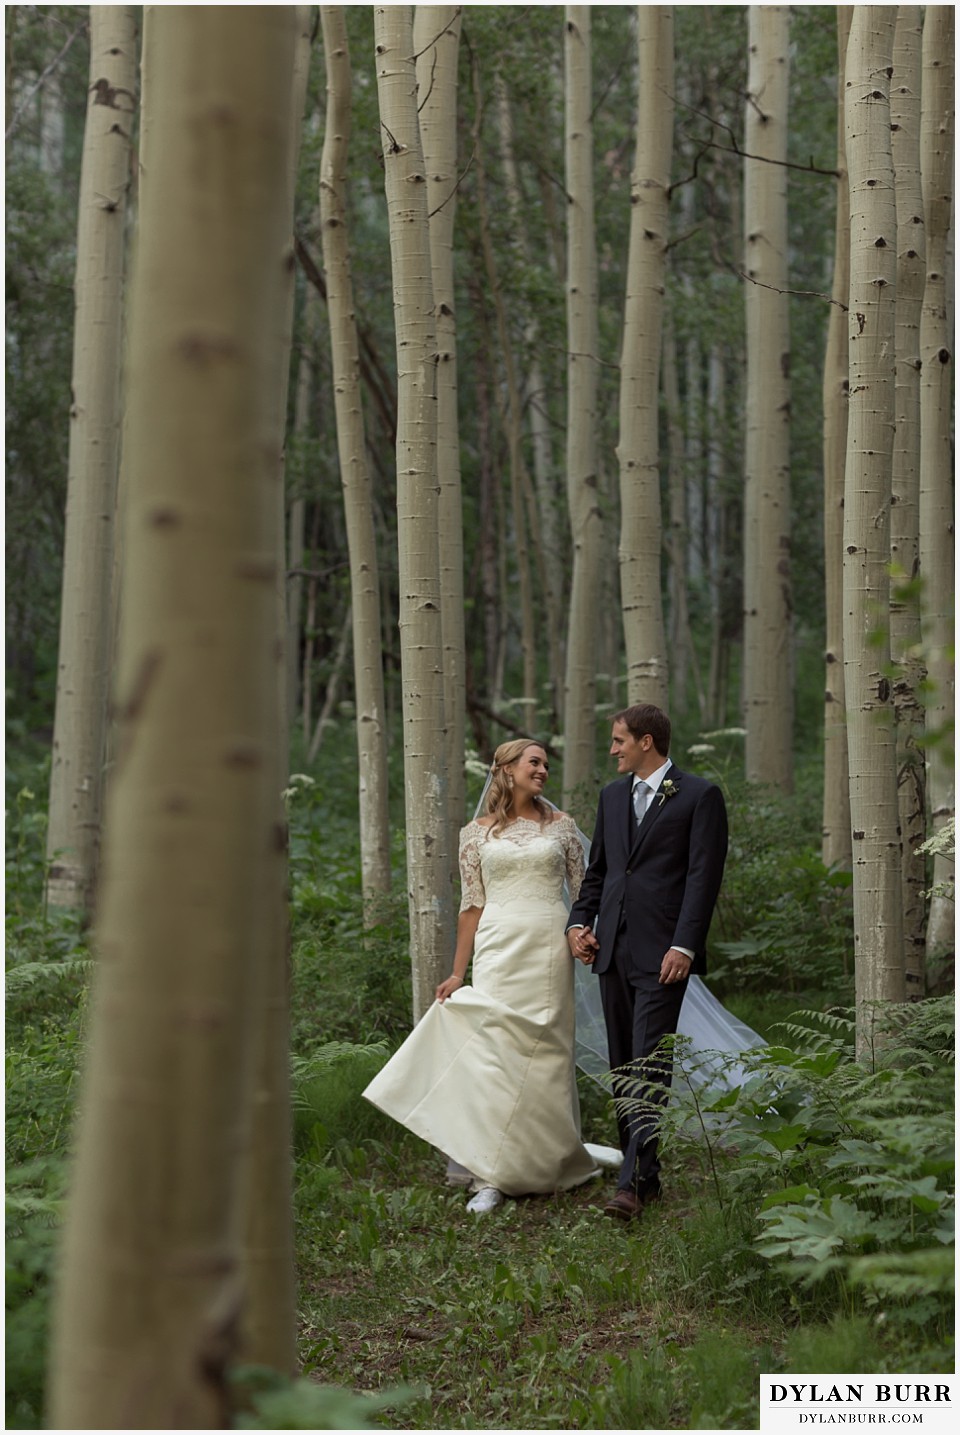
{"x":547,"y":1314}
{"x":806,"y":1225}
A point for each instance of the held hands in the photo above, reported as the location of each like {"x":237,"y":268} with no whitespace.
{"x":583,"y":944}
{"x":447,"y":988}
{"x":674,"y":967}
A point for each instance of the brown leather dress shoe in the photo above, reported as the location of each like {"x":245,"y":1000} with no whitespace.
{"x":623,"y":1206}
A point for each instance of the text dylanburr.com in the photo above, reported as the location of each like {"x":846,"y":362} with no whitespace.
{"x":817,"y":1402}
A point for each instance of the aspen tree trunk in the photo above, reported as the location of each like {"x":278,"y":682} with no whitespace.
{"x":552,"y":538}
{"x":835,"y":845}
{"x":421,"y":645}
{"x":268,"y":1327}
{"x":683,"y":657}
{"x":905,"y":637}
{"x":693,"y":455}
{"x":767,"y":599}
{"x":878,"y":931}
{"x":638,"y":450}
{"x":693,"y":374}
{"x":311,"y":629}
{"x":86,"y":640}
{"x":586,"y":521}
{"x":611,"y":693}
{"x":295,"y":99}
{"x":489,"y":548}
{"x":436,"y":43}
{"x":514,"y":427}
{"x":333,"y":689}
{"x":297,"y":504}
{"x":716,"y":699}
{"x":354,"y":471}
{"x":549,"y":549}
{"x":52,"y":126}
{"x":936,"y":467}
{"x":156,"y":1207}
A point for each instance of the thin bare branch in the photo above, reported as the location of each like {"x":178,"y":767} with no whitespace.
{"x":439,"y":35}
{"x":797,"y":293}
{"x":44,"y":76}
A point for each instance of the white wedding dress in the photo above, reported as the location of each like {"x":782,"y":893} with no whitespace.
{"x":488,"y":1076}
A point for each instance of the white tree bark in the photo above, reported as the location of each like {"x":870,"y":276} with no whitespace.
{"x":513,"y":424}
{"x":683,"y":658}
{"x":268,"y":1328}
{"x":835,"y":847}
{"x":905,"y":637}
{"x":150,"y":1291}
{"x":586,"y":520}
{"x":768,"y":603}
{"x":716,"y":697}
{"x":878,"y":931}
{"x":421,"y":643}
{"x":86,"y":638}
{"x":297,"y":503}
{"x":550,"y":546}
{"x":638,"y":449}
{"x":937,"y":570}
{"x":436,"y":42}
{"x":354,"y":471}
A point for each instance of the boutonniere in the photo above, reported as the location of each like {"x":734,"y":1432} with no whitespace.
{"x":668,"y":788}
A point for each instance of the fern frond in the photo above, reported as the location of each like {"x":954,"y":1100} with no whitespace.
{"x":31,"y":974}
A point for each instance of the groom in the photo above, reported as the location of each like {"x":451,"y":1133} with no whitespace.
{"x":655,"y":868}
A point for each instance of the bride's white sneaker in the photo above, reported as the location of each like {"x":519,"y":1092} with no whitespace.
{"x":488,"y":1198}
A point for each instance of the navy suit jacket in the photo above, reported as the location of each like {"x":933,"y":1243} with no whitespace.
{"x":661,"y":878}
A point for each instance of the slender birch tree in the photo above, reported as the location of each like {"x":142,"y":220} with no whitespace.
{"x":586,"y":519}
{"x":436,"y":43}
{"x":297,"y":502}
{"x":549,"y":549}
{"x":682,"y":652}
{"x":86,"y":628}
{"x":717,"y":536}
{"x":430,"y":888}
{"x":767,"y":597}
{"x":937,"y":120}
{"x":905,"y":637}
{"x":878,"y":930}
{"x":638,"y":450}
{"x":354,"y":470}
{"x":835,"y":847}
{"x":157,"y":1200}
{"x":268,"y":1326}
{"x":513,"y":422}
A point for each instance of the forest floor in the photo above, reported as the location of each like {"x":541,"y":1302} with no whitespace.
{"x":546,"y":1314}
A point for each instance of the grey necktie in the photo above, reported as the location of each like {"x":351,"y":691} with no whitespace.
{"x":641,"y":798}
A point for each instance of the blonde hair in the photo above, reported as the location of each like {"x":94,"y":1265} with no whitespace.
{"x":500,"y":792}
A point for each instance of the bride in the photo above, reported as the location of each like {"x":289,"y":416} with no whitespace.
{"x":487,"y":1076}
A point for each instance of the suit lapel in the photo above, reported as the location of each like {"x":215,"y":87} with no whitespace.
{"x":641,"y":833}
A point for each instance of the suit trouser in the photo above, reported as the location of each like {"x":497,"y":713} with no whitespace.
{"x":638,"y":1010}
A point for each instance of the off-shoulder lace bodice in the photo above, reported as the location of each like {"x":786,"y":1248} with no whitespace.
{"x":526,"y":860}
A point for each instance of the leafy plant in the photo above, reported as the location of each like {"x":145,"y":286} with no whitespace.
{"x":848,"y":1170}
{"x":34,"y":1205}
{"x":328,"y":1102}
{"x":275,"y":1402}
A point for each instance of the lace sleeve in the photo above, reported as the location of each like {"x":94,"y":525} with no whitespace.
{"x":573,"y":854}
{"x":471,"y":878}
